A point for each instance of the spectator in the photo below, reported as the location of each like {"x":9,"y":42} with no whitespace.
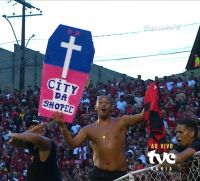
{"x":187,"y":138}
{"x":44,"y":165}
{"x":121,"y":105}
{"x":169,"y":84}
{"x":75,"y":128}
{"x":14,"y":113}
{"x":196,"y":61}
{"x":188,"y":144}
{"x":109,"y":157}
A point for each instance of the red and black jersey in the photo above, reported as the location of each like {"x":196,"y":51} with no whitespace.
{"x":153,"y":116}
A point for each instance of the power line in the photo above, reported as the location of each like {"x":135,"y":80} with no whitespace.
{"x":98,"y":36}
{"x":164,"y":59}
{"x":123,"y":58}
{"x":36,"y":39}
{"x":148,"y":29}
{"x":113,"y":34}
{"x":186,"y":48}
{"x":22,"y":53}
{"x":142,"y":56}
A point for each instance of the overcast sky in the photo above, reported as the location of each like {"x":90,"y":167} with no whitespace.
{"x":129,"y":36}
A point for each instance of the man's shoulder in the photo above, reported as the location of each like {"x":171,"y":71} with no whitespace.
{"x":179,"y":148}
{"x":197,"y":141}
{"x":49,"y":142}
{"x":89,"y":127}
{"x":195,"y":145}
{"x":95,"y":124}
{"x":116,"y":120}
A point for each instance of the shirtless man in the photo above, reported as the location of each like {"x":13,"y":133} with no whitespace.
{"x":108,"y":140}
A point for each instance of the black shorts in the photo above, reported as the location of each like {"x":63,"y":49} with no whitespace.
{"x":104,"y":175}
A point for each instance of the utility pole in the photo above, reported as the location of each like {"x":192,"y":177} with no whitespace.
{"x":22,"y":49}
{"x":22,"y":62}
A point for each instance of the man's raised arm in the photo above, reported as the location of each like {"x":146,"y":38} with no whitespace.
{"x":184,"y":155}
{"x":71,"y":142}
{"x":33,"y":136}
{"x":21,"y":140}
{"x":129,"y":120}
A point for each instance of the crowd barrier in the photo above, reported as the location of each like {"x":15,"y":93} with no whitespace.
{"x":187,"y":171}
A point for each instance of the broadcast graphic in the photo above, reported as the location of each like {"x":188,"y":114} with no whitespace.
{"x":166,"y":158}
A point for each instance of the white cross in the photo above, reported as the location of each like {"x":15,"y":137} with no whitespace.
{"x":70,"y":47}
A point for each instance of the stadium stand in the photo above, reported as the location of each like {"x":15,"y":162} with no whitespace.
{"x":180,"y":98}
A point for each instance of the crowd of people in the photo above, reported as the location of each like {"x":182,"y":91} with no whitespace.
{"x":179,"y":98}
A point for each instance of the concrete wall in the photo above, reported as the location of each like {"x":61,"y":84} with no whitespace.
{"x":99,"y":73}
{"x":33,"y":67}
{"x":10,"y":64}
{"x":187,"y":74}
{"x":6,"y":68}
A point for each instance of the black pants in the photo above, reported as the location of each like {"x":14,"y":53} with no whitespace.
{"x":104,"y":175}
